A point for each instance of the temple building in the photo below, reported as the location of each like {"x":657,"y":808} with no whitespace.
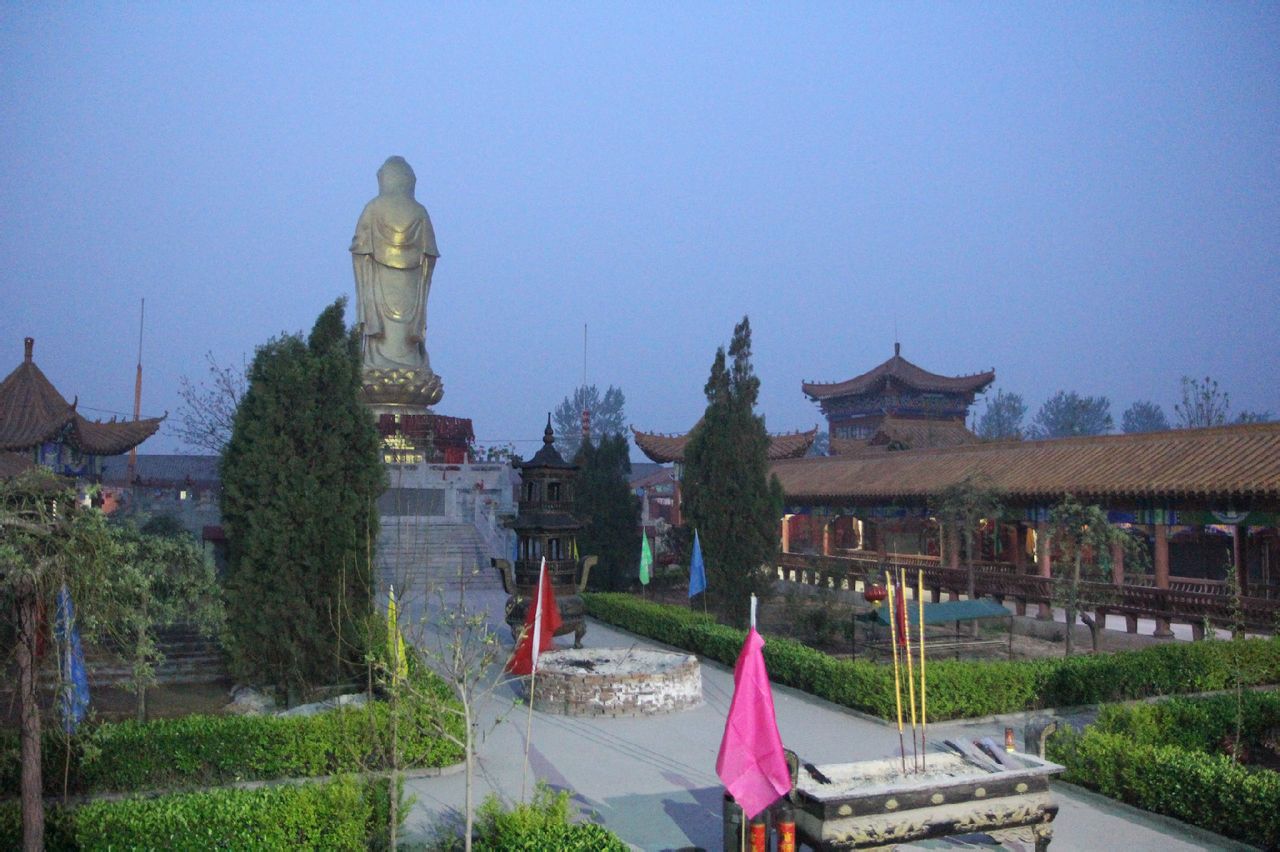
{"x":1206,"y":502}
{"x":39,"y":427}
{"x":669,"y":449}
{"x":897,"y":405}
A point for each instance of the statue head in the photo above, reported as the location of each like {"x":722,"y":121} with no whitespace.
{"x":396,"y":177}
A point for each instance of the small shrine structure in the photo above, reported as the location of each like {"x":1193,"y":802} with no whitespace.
{"x":546,"y":527}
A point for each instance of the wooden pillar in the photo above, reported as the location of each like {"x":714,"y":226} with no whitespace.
{"x":1117,"y":563}
{"x":1019,"y":546}
{"x":1045,"y":565}
{"x":1162,"y":574}
{"x":826,"y":538}
{"x":953,"y":545}
{"x":786,"y":533}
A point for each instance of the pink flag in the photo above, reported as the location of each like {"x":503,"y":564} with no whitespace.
{"x":751,"y":763}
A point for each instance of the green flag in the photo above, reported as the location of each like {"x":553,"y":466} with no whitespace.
{"x":646,"y":559}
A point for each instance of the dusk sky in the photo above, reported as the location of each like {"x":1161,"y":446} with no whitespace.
{"x":1082,"y":196}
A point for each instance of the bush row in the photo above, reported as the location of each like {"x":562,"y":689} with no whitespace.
{"x":1211,"y":791}
{"x":960,"y":689}
{"x":345,"y":813}
{"x":1198,"y":724}
{"x":203,"y":751}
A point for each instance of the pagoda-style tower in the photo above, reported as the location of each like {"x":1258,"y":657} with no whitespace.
{"x":546,"y":527}
{"x":896,"y":390}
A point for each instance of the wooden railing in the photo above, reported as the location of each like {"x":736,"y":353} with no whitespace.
{"x":1185,"y":601}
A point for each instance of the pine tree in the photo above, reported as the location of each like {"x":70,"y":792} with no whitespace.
{"x":604,"y":498}
{"x":728,"y":495}
{"x":300,"y":477}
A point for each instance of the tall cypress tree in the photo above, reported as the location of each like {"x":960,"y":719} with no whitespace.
{"x":728,"y":495}
{"x":604,"y":498}
{"x":300,"y":478}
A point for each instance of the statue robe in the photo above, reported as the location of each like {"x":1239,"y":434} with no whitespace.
{"x":394,"y":253}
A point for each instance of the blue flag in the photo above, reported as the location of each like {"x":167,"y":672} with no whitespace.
{"x":697,"y":571}
{"x":74,"y":698}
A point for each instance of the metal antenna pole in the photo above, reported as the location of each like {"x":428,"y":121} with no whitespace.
{"x":137,"y":394}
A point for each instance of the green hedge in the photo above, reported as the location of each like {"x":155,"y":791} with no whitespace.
{"x":1199,"y":724}
{"x":960,"y":689}
{"x":1208,"y":790}
{"x":202,"y":751}
{"x":344,"y":813}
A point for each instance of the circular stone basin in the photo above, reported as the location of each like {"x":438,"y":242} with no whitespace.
{"x":616,"y":682}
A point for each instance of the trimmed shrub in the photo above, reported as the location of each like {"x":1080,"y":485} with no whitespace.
{"x":541,"y":824}
{"x":201,"y":751}
{"x":1208,"y":790}
{"x":344,"y":813}
{"x":960,"y":689}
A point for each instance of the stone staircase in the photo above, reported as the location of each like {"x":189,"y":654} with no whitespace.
{"x":425,"y":557}
{"x":188,"y":658}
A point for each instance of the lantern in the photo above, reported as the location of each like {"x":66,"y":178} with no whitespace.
{"x":874,"y":594}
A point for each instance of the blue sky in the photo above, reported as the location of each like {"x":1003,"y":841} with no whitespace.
{"x":1084,"y":196}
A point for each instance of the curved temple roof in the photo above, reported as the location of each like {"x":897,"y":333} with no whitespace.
{"x":670,"y":448}
{"x":903,"y":371}
{"x":1224,"y":465}
{"x":33,"y":412}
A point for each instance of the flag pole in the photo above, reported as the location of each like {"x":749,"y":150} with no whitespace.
{"x":534,"y":649}
{"x":528,"y":727}
{"x":911,"y":674}
{"x":897,"y":683}
{"x":924,"y":715}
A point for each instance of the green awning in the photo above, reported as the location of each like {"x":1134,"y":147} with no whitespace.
{"x":945,"y":612}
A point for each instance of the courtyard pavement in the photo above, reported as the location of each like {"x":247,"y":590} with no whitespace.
{"x":652,"y":779}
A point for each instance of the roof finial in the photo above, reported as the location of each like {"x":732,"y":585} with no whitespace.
{"x":28,"y":343}
{"x":549,"y":435}
{"x":897,"y":349}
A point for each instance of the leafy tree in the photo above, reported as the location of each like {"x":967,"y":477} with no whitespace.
{"x":1002,"y":421}
{"x":1203,"y":404}
{"x":1143,"y":416}
{"x":300,"y":477}
{"x":205,"y":418}
{"x":156,"y":581}
{"x":1084,"y":537}
{"x":963,"y":505}
{"x":728,"y":495}
{"x":1066,"y":414}
{"x":604,"y":498}
{"x":47,"y":540}
{"x":606,"y":416}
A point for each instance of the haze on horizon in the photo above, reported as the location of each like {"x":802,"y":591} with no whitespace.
{"x":1084,"y":196}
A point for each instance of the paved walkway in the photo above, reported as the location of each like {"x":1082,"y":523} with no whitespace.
{"x":652,"y":780}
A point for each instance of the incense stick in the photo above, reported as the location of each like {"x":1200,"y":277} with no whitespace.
{"x":924,"y":715}
{"x":897,"y":683}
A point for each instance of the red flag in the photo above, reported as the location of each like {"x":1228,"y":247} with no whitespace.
{"x":751,"y":763}
{"x":900,"y":614}
{"x":541,"y":620}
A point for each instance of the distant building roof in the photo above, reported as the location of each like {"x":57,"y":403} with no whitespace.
{"x":160,"y":469}
{"x":670,"y":448}
{"x":901,"y":433}
{"x":904,"y":372}
{"x":1223,"y":466}
{"x":33,"y":412}
{"x":643,"y":470}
